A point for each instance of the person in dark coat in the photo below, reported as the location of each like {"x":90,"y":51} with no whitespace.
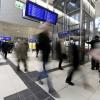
{"x":94,"y":63}
{"x":45,"y":48}
{"x":44,"y":44}
{"x":11,"y":45}
{"x":75,"y":63}
{"x":61,"y":52}
{"x":37,"y":48}
{"x":0,"y":45}
{"x":5,"y":47}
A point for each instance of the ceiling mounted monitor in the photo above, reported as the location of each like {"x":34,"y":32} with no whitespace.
{"x":35,"y":11}
{"x":40,"y":13}
{"x":50,"y":16}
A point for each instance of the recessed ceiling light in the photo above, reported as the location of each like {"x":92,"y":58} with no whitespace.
{"x":62,"y":3}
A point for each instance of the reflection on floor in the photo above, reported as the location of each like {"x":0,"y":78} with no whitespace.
{"x":21,"y":86}
{"x":87,"y":86}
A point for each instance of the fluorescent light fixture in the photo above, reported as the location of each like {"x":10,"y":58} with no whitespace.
{"x":62,"y":3}
{"x":72,"y":4}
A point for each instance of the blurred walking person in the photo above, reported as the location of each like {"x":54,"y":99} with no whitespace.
{"x":37,"y":48}
{"x":45,"y":47}
{"x":94,"y":62}
{"x":5,"y":49}
{"x":61,"y":52}
{"x":21,"y":50}
{"x":75,"y":62}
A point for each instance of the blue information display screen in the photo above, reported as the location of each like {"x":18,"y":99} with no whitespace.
{"x":51,"y":17}
{"x":7,"y":38}
{"x":36,"y":11}
{"x":63,"y":34}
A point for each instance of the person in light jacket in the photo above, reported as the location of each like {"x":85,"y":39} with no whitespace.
{"x":21,"y":50}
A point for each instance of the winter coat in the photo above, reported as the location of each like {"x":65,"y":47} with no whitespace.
{"x":21,"y":50}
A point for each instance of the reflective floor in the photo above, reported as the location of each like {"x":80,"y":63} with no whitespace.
{"x":24,"y":86}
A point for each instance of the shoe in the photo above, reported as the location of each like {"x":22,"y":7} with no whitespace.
{"x":97,"y":68}
{"x":93,"y":68}
{"x":70,"y":83}
{"x":18,"y":68}
{"x":60,"y":68}
{"x":40,"y":82}
{"x":26,"y":70}
{"x":54,"y":93}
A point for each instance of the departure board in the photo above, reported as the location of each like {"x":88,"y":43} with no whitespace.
{"x":40,"y":13}
{"x":63,"y":34}
{"x":35,"y":11}
{"x":51,"y":17}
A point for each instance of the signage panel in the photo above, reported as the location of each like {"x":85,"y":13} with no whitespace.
{"x":36,"y":11}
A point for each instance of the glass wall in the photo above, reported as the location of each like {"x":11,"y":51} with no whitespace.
{"x":97,"y":24}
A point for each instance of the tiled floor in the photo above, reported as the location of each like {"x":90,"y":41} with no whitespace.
{"x":80,"y":91}
{"x":12,"y":84}
{"x":34,"y":64}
